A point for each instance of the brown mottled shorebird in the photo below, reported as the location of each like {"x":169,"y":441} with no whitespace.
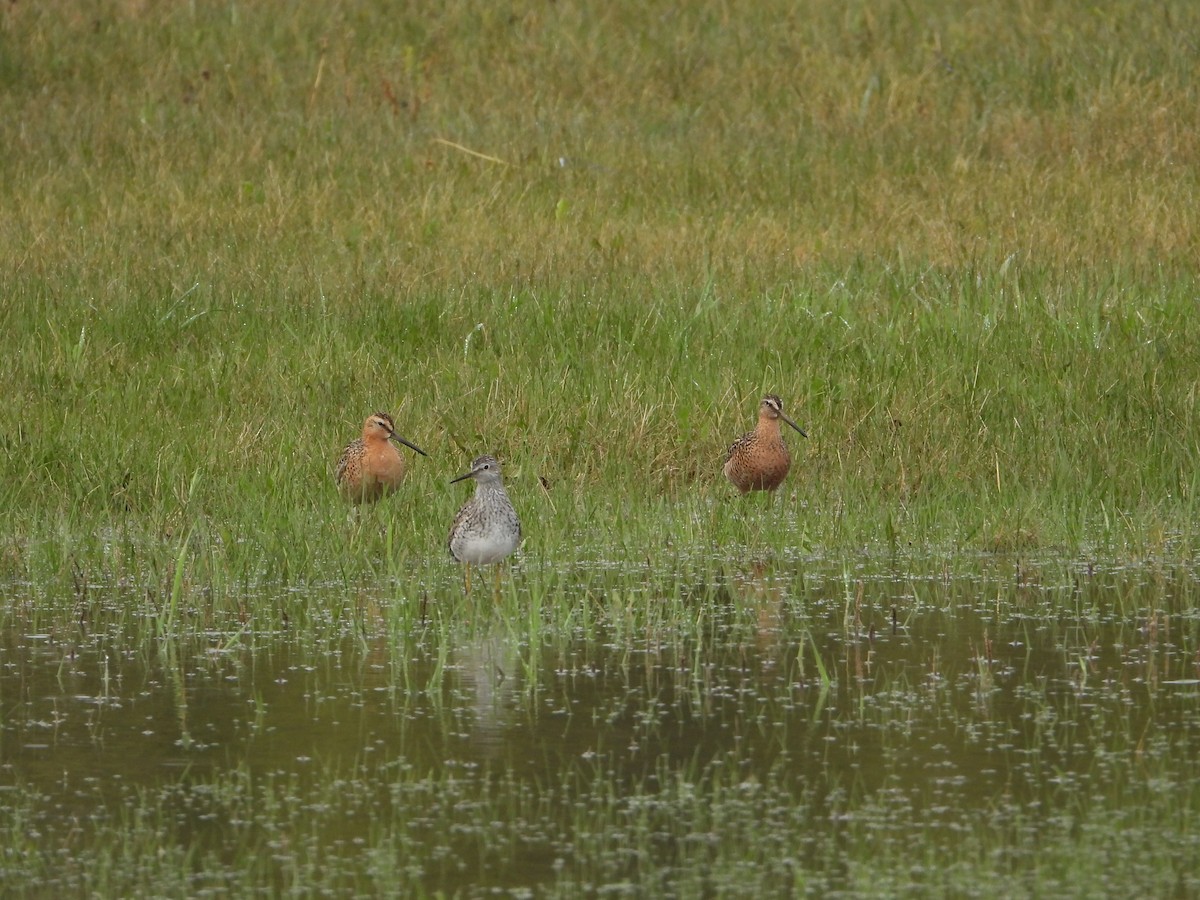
{"x":759,"y":459}
{"x":370,"y":467}
{"x":486,"y":529}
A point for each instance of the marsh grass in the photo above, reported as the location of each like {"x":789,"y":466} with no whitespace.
{"x":234,"y":232}
{"x":960,"y":243}
{"x":935,"y":425}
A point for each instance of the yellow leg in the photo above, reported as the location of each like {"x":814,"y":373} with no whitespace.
{"x":467,"y":576}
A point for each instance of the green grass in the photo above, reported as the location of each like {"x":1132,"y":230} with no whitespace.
{"x":962,"y":250}
{"x":960,"y":243}
{"x":945,"y":425}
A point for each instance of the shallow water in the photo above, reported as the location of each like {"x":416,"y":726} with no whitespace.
{"x":906,"y":709}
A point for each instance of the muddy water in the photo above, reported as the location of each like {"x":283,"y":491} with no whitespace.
{"x":926,"y":701}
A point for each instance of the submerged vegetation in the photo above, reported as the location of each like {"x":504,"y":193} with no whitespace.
{"x":765,"y":737}
{"x":960,"y":244}
{"x":961,"y":252}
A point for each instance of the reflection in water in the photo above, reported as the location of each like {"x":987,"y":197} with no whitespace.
{"x":488,"y":678}
{"x":964,"y":704}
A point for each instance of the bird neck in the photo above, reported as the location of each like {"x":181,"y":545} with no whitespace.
{"x":768,"y":427}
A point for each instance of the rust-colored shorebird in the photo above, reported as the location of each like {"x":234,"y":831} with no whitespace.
{"x":486,"y":529}
{"x":759,"y":459}
{"x":371,"y":467}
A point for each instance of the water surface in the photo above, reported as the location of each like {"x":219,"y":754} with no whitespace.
{"x":770,"y":737}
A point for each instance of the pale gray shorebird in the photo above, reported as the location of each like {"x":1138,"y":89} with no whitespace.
{"x":759,"y":459}
{"x":486,"y":529}
{"x":371,"y":467}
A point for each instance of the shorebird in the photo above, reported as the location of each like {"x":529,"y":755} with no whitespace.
{"x":370,"y":467}
{"x":759,"y":459}
{"x":486,"y":529}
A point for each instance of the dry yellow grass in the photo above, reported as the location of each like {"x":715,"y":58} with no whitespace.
{"x":438,"y":145}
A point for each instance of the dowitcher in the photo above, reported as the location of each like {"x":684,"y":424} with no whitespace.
{"x":371,"y":467}
{"x":759,"y":459}
{"x":486,"y":529}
